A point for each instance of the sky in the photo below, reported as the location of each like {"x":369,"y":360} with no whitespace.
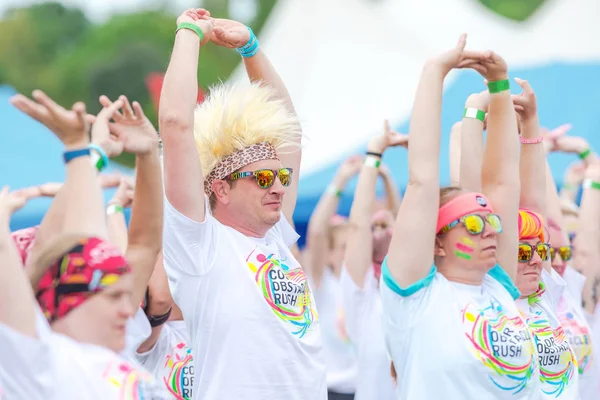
{"x":100,"y":10}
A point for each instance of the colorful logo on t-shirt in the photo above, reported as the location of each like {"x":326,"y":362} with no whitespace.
{"x":130,"y":383}
{"x":502,"y":343}
{"x":555,"y":355}
{"x":178,"y":373}
{"x":578,"y":334}
{"x":286,"y":291}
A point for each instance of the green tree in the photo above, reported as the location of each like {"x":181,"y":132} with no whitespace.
{"x":31,"y":37}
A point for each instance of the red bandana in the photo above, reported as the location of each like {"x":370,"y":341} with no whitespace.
{"x":89,"y":267}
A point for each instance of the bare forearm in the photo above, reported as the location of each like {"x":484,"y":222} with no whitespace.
{"x":501,"y":155}
{"x":260,"y":69}
{"x":85,"y":210}
{"x":471,"y":150}
{"x":392,"y":194}
{"x":180,"y":87}
{"x":455,"y":153}
{"x":532,"y":169}
{"x":17,"y":304}
{"x":117,"y":230}
{"x":425,"y":126}
{"x":145,"y":228}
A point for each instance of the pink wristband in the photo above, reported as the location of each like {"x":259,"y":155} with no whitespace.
{"x":536,"y":140}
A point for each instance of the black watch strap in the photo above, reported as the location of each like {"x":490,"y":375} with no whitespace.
{"x":158,"y":320}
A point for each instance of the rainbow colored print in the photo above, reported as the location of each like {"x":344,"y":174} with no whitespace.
{"x":299,"y":316}
{"x":507,"y":373}
{"x":127,"y":380}
{"x":176,"y":363}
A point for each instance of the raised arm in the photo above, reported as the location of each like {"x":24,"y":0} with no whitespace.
{"x":393,"y":196}
{"x":81,"y":191}
{"x":410,"y":256}
{"x":358,"y":257}
{"x":587,"y":251}
{"x":159,"y":302}
{"x":532,"y":163}
{"x":235,"y":35}
{"x":182,"y":169}
{"x":117,"y":226}
{"x":500,"y":169}
{"x":317,"y":239}
{"x":139,"y":137}
{"x":455,"y":153}
{"x":17,"y":300}
{"x":471,"y":143}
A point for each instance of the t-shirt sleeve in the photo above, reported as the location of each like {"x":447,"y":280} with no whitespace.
{"x":555,"y":285}
{"x":498,"y":273}
{"x":26,"y":369}
{"x":404,"y":307}
{"x":188,"y":246}
{"x":356,"y":302}
{"x":284,"y":230}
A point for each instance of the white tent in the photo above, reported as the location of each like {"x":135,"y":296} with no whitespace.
{"x":351,"y":63}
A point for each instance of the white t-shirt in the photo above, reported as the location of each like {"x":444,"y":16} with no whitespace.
{"x":557,"y":364}
{"x":571,"y":315}
{"x":365,"y":330}
{"x":454,"y":341}
{"x":138,"y":329}
{"x":171,"y":362}
{"x":54,"y":367}
{"x":251,"y":315}
{"x":337,"y":349}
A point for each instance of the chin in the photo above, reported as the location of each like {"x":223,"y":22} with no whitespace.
{"x":560,"y":269}
{"x":272,"y":218}
{"x":529,"y":287}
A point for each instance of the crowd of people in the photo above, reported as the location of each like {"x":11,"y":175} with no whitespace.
{"x":486,"y":289}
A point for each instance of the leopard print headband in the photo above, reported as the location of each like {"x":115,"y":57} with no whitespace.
{"x":237,"y":160}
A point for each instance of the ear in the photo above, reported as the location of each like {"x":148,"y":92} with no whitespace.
{"x":439,"y":250}
{"x":222,"y":191}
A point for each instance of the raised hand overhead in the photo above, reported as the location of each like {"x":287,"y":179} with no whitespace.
{"x":70,"y":126}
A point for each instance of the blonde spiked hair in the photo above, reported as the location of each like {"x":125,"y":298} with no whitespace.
{"x":233,"y":118}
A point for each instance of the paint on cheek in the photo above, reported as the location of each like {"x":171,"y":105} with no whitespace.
{"x":464,"y":248}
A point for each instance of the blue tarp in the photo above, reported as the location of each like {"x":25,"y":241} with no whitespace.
{"x":566,"y":93}
{"x":31,"y":155}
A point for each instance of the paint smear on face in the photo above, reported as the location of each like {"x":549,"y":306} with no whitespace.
{"x":464,"y":248}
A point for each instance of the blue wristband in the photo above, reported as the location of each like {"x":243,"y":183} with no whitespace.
{"x":251,"y":48}
{"x":73,"y":154}
{"x":103,"y":160}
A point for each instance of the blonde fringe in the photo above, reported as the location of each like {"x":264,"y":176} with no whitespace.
{"x":233,"y":118}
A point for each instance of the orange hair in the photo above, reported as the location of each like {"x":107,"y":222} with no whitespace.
{"x":531,"y":225}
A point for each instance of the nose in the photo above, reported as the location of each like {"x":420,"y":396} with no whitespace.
{"x":125,"y":307}
{"x":277,"y":187}
{"x":488,"y":231}
{"x":558,"y":261}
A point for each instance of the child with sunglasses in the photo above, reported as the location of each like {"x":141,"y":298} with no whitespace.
{"x":451,"y":311}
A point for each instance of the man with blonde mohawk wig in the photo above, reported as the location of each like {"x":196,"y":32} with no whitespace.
{"x":230,"y":169}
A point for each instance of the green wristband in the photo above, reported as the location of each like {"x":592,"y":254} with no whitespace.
{"x":372,"y":161}
{"x":191,"y":27}
{"x":332,"y":189}
{"x":499,"y":86}
{"x":568,"y":186}
{"x":590,"y":184}
{"x":474,"y":113}
{"x":113,"y":209}
{"x":585,"y":154}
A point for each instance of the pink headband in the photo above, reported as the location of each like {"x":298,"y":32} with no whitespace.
{"x":237,"y":160}
{"x":460,"y":206}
